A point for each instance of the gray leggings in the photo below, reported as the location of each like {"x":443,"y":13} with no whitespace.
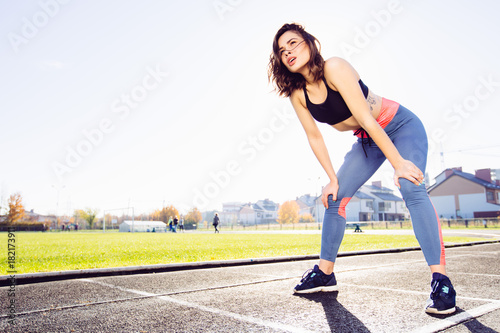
{"x":408,"y":135}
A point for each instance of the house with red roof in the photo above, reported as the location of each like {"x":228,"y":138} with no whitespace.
{"x":458,"y":194}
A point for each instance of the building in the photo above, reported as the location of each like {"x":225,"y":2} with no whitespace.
{"x":143,"y":226}
{"x":360,"y":208}
{"x":261,"y":212}
{"x":457,"y":194}
{"x":373,"y":203}
{"x":306,"y":204}
{"x":266,"y":211}
{"x":386,"y":205}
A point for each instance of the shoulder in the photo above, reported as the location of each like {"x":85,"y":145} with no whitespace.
{"x":337,"y":63}
{"x":297,"y":98}
{"x":336,"y":67}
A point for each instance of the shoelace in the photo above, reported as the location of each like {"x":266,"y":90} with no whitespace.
{"x":307,"y":274}
{"x":363,"y":138}
{"x":434,"y":292}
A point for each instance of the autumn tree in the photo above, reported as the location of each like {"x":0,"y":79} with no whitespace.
{"x":88,"y":214}
{"x":193,"y":217}
{"x":165,"y":213}
{"x":306,"y":218}
{"x":16,"y":209}
{"x":288,"y":212}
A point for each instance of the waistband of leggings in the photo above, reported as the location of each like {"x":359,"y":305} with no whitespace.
{"x":388,"y":110}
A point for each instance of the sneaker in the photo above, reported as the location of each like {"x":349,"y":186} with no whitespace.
{"x":315,"y":280}
{"x":442,"y":299}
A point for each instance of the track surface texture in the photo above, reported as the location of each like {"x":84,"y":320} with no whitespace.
{"x":377,"y":293}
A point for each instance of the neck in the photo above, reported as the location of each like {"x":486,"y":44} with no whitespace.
{"x":308,"y":76}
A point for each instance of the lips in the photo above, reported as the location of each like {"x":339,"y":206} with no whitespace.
{"x":291,"y":61}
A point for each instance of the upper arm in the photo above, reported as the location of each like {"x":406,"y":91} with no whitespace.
{"x":305,"y":117}
{"x":345,"y":79}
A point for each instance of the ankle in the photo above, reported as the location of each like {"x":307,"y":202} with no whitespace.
{"x":441,"y":269}
{"x":326,"y":266}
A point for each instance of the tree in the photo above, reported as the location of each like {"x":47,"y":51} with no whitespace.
{"x":16,"y":209}
{"x":288,"y":212}
{"x":88,"y":214}
{"x":306,"y":218}
{"x":165,"y":213}
{"x":193,"y":217}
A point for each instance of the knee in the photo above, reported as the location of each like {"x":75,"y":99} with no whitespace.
{"x":333,"y":205}
{"x":412,"y":192}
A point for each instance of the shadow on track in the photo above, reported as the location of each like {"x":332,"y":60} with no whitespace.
{"x":339,"y":318}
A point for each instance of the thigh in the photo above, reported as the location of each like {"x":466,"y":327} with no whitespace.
{"x":411,"y":142}
{"x":358,"y":168}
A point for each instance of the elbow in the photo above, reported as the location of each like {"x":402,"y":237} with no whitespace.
{"x":314,"y":140}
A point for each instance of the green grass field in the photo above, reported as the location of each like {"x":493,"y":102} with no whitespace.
{"x":45,"y":252}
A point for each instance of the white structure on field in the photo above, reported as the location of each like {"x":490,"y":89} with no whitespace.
{"x":143,"y":226}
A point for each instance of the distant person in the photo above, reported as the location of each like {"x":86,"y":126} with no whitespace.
{"x":358,"y":229}
{"x":332,"y":92}
{"x":181,"y":224}
{"x":176,"y":222}
{"x":485,"y":224}
{"x":170,"y":224}
{"x":216,"y":222}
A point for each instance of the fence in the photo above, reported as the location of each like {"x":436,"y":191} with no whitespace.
{"x":406,"y":224}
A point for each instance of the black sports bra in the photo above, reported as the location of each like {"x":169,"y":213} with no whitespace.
{"x":334,"y":109}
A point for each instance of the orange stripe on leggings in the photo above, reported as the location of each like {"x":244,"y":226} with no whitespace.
{"x":442,"y":260}
{"x":343,"y":203}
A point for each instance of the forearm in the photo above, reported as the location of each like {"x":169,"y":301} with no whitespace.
{"x":321,"y":152}
{"x":385,"y":144}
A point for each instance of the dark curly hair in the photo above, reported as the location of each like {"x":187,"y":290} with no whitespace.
{"x":284,"y":81}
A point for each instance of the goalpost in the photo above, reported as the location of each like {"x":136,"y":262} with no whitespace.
{"x":115,"y":209}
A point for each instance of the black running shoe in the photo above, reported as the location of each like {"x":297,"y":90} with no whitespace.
{"x":315,"y":280}
{"x":442,"y":299}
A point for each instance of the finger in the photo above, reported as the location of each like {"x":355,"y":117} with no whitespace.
{"x":396,"y":182}
{"x":412,"y":179}
{"x":325,"y":202}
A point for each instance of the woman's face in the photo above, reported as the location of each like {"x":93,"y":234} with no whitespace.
{"x":294,"y":51}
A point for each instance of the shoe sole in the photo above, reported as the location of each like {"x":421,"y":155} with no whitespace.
{"x":317,"y":289}
{"x":436,"y":311}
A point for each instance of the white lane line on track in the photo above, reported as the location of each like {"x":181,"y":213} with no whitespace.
{"x":252,"y":320}
{"x":488,"y":234}
{"x":398,"y":263}
{"x":448,"y":322}
{"x":487,"y":300}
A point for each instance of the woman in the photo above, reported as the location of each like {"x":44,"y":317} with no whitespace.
{"x":332,"y":92}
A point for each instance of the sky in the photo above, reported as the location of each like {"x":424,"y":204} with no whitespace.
{"x":121,"y":103}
